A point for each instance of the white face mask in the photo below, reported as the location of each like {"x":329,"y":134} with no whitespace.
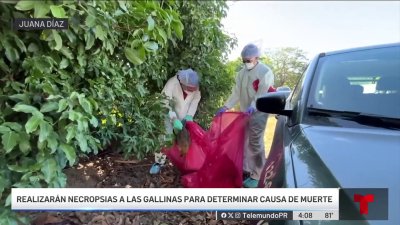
{"x":249,"y":66}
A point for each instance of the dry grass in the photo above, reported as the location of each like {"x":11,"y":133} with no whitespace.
{"x":269,"y":133}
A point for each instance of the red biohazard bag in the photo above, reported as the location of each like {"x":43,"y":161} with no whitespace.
{"x":195,"y":156}
{"x":214,"y":158}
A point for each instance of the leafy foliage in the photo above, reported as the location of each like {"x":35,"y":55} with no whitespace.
{"x":69,"y":93}
{"x":205,"y":48}
{"x":288,"y":64}
{"x":234,"y":66}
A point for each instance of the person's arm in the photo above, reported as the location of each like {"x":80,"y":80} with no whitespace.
{"x":167,"y":91}
{"x":193,"y":105}
{"x":234,"y":97}
{"x":266,"y":81}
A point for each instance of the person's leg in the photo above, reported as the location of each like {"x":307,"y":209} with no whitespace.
{"x":255,"y":154}
{"x":246,"y":166}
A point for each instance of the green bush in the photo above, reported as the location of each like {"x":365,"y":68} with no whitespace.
{"x":69,"y":93}
{"x":204,"y":48}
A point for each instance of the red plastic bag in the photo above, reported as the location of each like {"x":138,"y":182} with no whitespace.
{"x":196,"y":154}
{"x":215,"y":158}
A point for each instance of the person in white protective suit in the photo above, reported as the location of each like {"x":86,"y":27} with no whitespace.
{"x":183,"y":96}
{"x":252,"y":81}
{"x":183,"y":91}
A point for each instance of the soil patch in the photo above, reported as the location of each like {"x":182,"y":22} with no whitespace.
{"x":110,"y":170}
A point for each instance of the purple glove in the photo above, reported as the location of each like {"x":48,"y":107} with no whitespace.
{"x":221,"y":110}
{"x":250,"y":110}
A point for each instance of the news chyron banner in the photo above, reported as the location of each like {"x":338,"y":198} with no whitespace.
{"x":229,"y":204}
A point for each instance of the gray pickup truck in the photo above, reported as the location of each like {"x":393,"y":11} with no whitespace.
{"x":340,"y":128}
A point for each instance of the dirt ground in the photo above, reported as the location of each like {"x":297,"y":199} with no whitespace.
{"x":110,"y":170}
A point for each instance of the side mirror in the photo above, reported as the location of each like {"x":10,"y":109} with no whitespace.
{"x":273,"y":103}
{"x":284,"y":89}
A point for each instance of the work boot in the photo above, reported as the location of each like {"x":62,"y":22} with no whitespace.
{"x":155,"y":168}
{"x":250,"y":183}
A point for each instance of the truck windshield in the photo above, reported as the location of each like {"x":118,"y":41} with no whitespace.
{"x":363,"y":81}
